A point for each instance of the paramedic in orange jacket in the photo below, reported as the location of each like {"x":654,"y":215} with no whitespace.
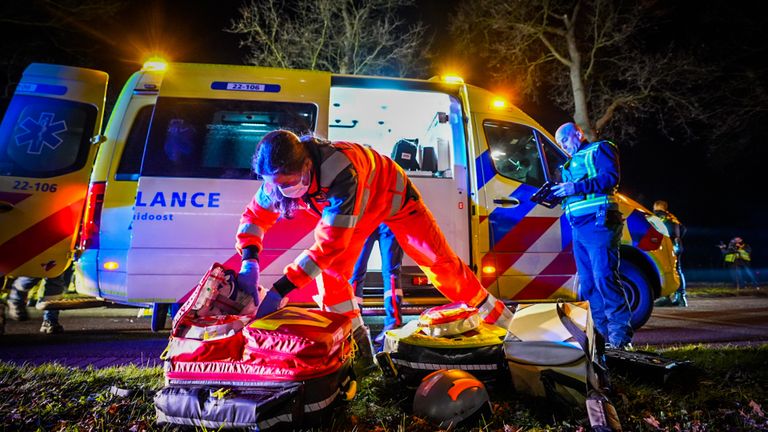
{"x":352,"y":190}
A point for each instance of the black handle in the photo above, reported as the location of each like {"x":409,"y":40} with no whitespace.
{"x":506,"y":201}
{"x":5,"y":206}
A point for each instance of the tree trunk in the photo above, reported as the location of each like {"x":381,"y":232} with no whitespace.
{"x":580,"y":111}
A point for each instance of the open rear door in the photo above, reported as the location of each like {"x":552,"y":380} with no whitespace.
{"x":47,"y":147}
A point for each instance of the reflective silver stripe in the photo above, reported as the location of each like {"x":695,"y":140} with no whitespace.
{"x":213,"y":424}
{"x":283,"y":418}
{"x":364,"y":201}
{"x":397,"y":203}
{"x":332,"y":167}
{"x":388,"y":294}
{"x":372,"y":174}
{"x":357,"y":322}
{"x":397,"y":199}
{"x":435,"y":366}
{"x":339,"y":220}
{"x":343,"y":307}
{"x":317,"y":406}
{"x":400,"y":183}
{"x":306,"y":263}
{"x":252,"y":229}
{"x":488,"y":305}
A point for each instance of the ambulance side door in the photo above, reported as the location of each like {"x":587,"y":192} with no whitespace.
{"x":48,"y":142}
{"x":528,"y":254}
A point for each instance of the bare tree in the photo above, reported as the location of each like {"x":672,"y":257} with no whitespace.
{"x":344,"y":36}
{"x":588,"y":56}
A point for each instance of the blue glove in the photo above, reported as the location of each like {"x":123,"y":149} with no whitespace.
{"x":271,"y":301}
{"x":248,"y":278}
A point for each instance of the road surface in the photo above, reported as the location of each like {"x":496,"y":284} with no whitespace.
{"x":108,"y":336}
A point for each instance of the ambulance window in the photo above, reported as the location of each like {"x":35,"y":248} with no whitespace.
{"x":554,"y":158}
{"x":215,"y":138}
{"x":514,"y":152}
{"x":130,"y":162}
{"x":42,"y":137}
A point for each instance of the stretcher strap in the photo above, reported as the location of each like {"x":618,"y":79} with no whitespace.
{"x":573,"y":329}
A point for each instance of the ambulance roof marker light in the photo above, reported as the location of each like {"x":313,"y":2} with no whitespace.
{"x":499,"y":103}
{"x":453,"y":79}
{"x":155,"y":64}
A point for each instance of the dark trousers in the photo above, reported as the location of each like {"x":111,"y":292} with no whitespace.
{"x":596,"y":251}
{"x":742,"y":274}
{"x":391,"y":263}
{"x":53,"y":287}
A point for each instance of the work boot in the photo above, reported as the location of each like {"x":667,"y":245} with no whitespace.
{"x":663,"y":302}
{"x":17,"y":312}
{"x":362,"y":363}
{"x":682,"y":299}
{"x":50,"y":327}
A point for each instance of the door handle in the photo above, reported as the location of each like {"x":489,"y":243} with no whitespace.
{"x":514,"y":202}
{"x":5,"y":206}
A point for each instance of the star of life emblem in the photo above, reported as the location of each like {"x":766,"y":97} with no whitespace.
{"x":41,"y":133}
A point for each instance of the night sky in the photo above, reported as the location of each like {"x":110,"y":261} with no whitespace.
{"x":717,"y":196}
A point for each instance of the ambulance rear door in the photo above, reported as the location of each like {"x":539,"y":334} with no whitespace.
{"x":196,"y":176}
{"x":526,"y":248}
{"x":48,"y":141}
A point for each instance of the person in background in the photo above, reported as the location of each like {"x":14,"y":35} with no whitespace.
{"x":676,"y":230}
{"x":590,"y":180}
{"x":391,"y":263}
{"x":53,"y":289}
{"x":737,"y":256}
{"x":352,"y":190}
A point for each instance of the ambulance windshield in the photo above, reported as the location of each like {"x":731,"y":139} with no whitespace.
{"x":212,"y":138}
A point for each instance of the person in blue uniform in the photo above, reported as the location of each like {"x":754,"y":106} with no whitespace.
{"x":590,"y":180}
{"x":391,"y":262}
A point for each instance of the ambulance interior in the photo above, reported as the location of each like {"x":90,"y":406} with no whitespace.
{"x":421,"y":131}
{"x":418,"y":124}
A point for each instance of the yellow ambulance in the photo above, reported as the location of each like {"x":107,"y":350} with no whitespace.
{"x":173,"y":175}
{"x":48,"y":142}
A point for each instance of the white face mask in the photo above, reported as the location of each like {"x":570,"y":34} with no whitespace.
{"x":298,"y":190}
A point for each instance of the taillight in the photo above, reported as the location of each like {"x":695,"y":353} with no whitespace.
{"x":89,"y":235}
{"x":420,"y":281}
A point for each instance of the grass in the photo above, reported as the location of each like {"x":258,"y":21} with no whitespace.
{"x":725,"y":392}
{"x":722,"y":290}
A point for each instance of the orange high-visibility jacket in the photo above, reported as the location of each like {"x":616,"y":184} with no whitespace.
{"x":353,"y":187}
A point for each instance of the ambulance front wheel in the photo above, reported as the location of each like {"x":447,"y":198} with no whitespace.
{"x":159,"y":315}
{"x":639,"y":291}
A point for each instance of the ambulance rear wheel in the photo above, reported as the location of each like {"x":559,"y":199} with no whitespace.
{"x":639,"y":292}
{"x":159,"y":316}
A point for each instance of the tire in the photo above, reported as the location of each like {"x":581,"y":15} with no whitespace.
{"x":159,"y":316}
{"x":639,"y":292}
